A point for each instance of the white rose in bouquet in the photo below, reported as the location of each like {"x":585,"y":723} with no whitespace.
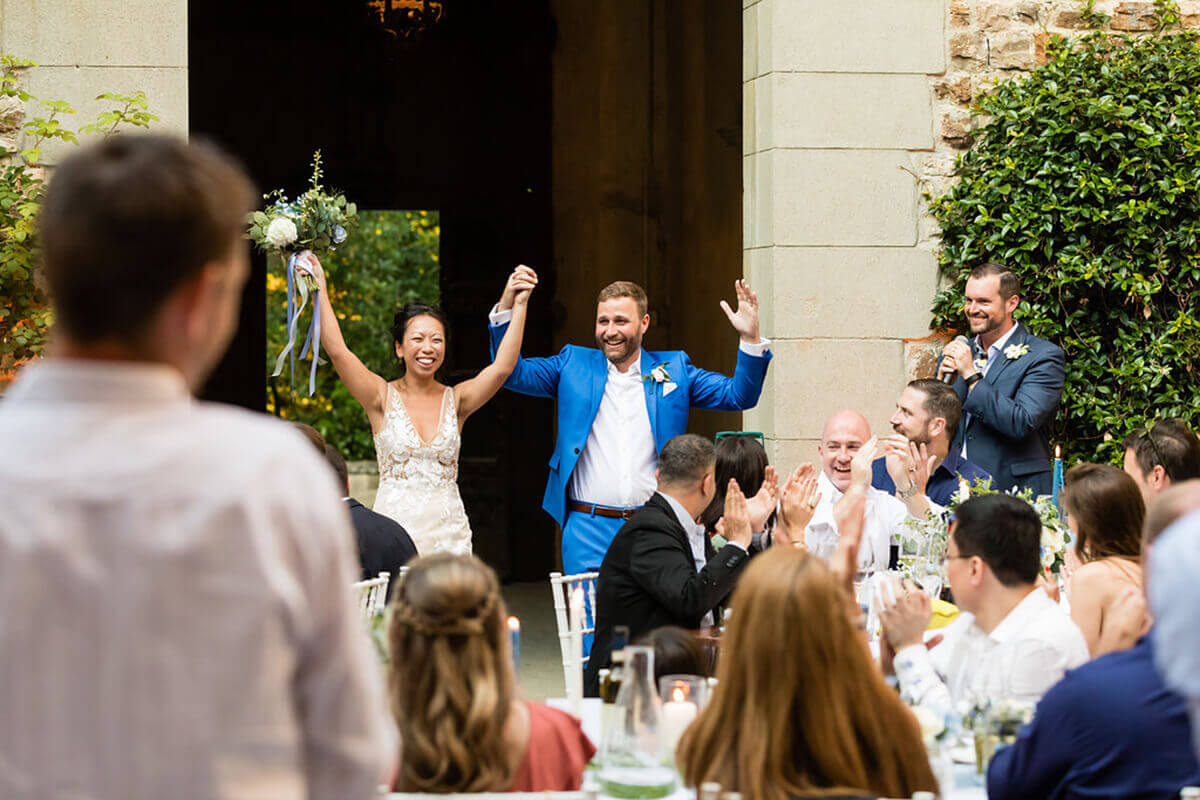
{"x":1052,"y":538}
{"x":281,"y":232}
{"x":1048,"y":556}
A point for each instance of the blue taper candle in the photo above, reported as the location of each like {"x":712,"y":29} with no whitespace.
{"x":514,"y":639}
{"x":1058,"y":477}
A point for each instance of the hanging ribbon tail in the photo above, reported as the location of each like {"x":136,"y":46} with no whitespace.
{"x":314,"y":333}
{"x":292,"y":318}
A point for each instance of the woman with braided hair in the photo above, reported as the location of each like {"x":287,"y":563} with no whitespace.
{"x":453,"y":691}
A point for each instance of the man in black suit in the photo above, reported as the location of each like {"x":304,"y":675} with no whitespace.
{"x":383,"y":544}
{"x":661,"y":568}
{"x":1010,"y":382}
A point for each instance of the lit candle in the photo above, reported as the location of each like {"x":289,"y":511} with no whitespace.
{"x":514,"y":640}
{"x":575,"y":690}
{"x":677,"y":714}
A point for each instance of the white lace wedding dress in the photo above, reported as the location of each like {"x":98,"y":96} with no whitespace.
{"x":418,"y":480}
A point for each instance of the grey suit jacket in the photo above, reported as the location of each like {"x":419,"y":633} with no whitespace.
{"x":1011,"y":410}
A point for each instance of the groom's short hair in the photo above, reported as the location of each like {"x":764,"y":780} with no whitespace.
{"x":685,"y":459}
{"x":625,"y":289}
{"x":128,"y":220}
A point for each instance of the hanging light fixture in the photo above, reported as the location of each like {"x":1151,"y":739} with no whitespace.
{"x":406,"y":19}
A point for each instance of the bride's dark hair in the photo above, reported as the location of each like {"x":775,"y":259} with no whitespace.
{"x":410,"y":312}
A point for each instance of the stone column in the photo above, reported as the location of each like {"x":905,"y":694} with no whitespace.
{"x":837,"y":100}
{"x":87,"y":47}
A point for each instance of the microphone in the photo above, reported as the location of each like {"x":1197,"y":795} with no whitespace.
{"x":948,"y":377}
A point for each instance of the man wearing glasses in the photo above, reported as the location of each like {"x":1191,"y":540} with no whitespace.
{"x":1011,"y":643}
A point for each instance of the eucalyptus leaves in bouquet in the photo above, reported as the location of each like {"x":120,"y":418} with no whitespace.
{"x":317,"y":221}
{"x":930,"y":535}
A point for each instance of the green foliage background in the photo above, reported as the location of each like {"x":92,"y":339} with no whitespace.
{"x":1087,"y":181}
{"x":390,"y":260}
{"x":25,"y":315}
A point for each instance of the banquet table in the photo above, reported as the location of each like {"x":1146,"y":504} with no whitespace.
{"x":966,"y":784}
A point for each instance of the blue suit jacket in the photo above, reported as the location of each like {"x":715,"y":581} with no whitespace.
{"x":576,"y":378}
{"x":1010,"y":414}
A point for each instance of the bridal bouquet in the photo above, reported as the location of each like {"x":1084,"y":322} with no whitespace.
{"x":317,"y":220}
{"x":930,"y":535}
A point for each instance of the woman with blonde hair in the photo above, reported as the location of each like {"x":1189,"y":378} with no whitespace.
{"x":800,"y":708}
{"x":453,"y":690}
{"x":1105,"y":512}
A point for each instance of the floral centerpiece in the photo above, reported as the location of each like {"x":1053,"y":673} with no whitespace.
{"x":929,"y":535}
{"x":318,"y":220}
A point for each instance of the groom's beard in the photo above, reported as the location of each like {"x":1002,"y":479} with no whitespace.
{"x":620,"y":350}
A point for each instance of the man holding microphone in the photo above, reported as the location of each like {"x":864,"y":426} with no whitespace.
{"x":1010,"y":382}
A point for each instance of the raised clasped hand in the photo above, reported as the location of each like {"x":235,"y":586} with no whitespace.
{"x":745,"y":319}
{"x":518,"y":288}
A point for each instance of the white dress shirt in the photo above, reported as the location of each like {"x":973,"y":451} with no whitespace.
{"x":993,"y":355}
{"x":1027,"y":653}
{"x":884,"y":521}
{"x":616,"y":467}
{"x":175,"y":608}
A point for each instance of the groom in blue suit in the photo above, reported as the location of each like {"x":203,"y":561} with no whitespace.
{"x":1010,"y":382}
{"x":618,"y":405}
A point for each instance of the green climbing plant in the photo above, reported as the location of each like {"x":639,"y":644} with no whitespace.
{"x":24,"y":313}
{"x":1086,"y":180}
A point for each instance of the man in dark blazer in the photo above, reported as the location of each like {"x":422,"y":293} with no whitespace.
{"x":1010,"y":382}
{"x":383,"y":544}
{"x":661,"y":568}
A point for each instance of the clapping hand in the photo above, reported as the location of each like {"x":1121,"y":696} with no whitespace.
{"x":734,"y":526}
{"x":745,"y":319}
{"x":904,"y":612}
{"x":908,"y":463}
{"x":800,"y":499}
{"x":521,"y":282}
{"x":860,"y":465}
{"x":763,"y":504}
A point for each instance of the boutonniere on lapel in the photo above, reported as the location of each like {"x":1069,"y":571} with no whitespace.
{"x":660,"y":375}
{"x":1015,"y":351}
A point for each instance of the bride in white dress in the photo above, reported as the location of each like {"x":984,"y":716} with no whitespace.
{"x":417,"y":421}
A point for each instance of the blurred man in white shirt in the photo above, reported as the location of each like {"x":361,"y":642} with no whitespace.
{"x":174,"y":576}
{"x":1012,"y":642}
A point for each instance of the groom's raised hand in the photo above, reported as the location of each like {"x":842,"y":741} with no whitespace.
{"x":745,"y":319}
{"x":521,"y":280}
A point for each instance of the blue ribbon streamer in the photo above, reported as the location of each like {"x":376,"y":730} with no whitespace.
{"x":313,"y":339}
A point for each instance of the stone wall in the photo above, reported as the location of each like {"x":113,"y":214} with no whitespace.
{"x":87,"y":47}
{"x":854,"y":114}
{"x":994,"y":40}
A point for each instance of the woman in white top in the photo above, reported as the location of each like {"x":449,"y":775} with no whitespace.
{"x":417,"y":420}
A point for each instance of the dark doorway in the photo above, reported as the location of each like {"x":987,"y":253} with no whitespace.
{"x":631,"y":109}
{"x":457,"y":119}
